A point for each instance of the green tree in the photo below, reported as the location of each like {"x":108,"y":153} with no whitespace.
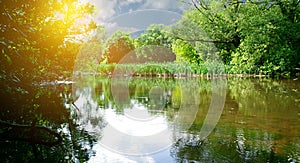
{"x":251,"y":36}
{"x":39,"y":42}
{"x":116,"y":47}
{"x":155,"y":34}
{"x":90,"y":53}
{"x":218,"y":19}
{"x":156,"y":42}
{"x":42,"y":37}
{"x":185,"y":52}
{"x":269,"y":41}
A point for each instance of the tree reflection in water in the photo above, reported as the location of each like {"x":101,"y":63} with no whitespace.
{"x":37,"y":126}
{"x":259,"y":123}
{"x":256,"y":124}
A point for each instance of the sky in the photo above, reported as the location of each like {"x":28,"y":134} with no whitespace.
{"x":136,"y":15}
{"x":110,"y":8}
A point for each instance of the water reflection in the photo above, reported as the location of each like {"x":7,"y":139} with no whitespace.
{"x":37,"y":127}
{"x":130,"y":128}
{"x":259,"y":123}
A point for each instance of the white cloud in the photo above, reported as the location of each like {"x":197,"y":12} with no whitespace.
{"x":128,"y":2}
{"x":134,"y":15}
{"x":109,"y":8}
{"x":162,"y":4}
{"x":143,"y":18}
{"x":106,"y":8}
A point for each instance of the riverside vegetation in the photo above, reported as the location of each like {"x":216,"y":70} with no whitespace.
{"x":246,"y":37}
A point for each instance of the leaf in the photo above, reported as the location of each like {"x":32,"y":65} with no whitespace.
{"x":3,"y":43}
{"x":6,"y":56}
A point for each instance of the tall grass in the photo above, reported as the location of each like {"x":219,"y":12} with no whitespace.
{"x":161,"y":69}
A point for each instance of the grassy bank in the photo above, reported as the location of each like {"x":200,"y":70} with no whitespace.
{"x":171,"y":69}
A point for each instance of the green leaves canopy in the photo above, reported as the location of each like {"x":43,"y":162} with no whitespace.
{"x":252,"y":36}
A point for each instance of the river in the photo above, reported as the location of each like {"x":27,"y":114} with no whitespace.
{"x":139,"y":119}
{"x":190,"y":120}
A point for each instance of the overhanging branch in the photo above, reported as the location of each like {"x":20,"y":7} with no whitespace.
{"x":208,"y":41}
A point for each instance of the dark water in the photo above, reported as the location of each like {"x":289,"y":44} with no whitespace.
{"x":164,"y":120}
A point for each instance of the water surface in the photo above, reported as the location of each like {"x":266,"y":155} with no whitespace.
{"x":259,"y":122}
{"x":101,"y":119}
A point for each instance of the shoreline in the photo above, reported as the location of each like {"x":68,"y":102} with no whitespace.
{"x":165,"y":75}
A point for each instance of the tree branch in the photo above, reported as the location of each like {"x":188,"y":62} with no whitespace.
{"x":196,"y":6}
{"x":16,"y":132}
{"x":297,"y":3}
{"x":209,"y":41}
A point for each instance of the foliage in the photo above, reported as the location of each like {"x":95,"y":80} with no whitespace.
{"x":39,"y":39}
{"x":154,"y":69}
{"x":90,"y":53}
{"x":116,"y":47}
{"x":42,"y":37}
{"x":155,"y":34}
{"x":185,"y":52}
{"x":267,"y":46}
{"x":154,"y":45}
{"x":39,"y":42}
{"x":251,"y":36}
{"x":216,"y":25}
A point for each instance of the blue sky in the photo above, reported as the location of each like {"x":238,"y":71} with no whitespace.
{"x":110,"y":8}
{"x":136,"y":15}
